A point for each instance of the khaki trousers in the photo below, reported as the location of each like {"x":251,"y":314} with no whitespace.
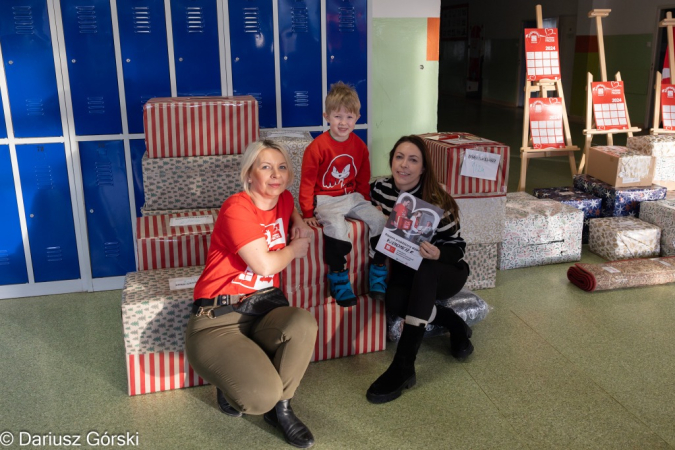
{"x":255,"y":361}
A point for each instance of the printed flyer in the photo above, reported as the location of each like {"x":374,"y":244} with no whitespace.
{"x":411,"y":222}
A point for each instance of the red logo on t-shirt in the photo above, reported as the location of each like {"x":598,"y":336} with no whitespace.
{"x":275,"y":236}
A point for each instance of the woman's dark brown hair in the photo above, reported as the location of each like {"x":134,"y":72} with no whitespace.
{"x":432,"y":191}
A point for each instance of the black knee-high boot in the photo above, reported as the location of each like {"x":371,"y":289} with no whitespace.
{"x":401,"y":372}
{"x":460,"y":345}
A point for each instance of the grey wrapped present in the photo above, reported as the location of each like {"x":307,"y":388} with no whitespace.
{"x":482,"y":260}
{"x":615,"y":238}
{"x":662,"y":214}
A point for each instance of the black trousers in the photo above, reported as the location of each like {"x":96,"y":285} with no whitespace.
{"x":414,"y":292}
{"x":335,"y":252}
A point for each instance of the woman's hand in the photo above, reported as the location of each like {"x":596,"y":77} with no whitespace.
{"x":300,"y":229}
{"x":299,"y":246}
{"x":311,"y":221}
{"x":429,"y":251}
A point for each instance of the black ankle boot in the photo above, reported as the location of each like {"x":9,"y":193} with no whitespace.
{"x":401,"y":373}
{"x":460,"y":345}
{"x":224,"y":406}
{"x":296,"y":433}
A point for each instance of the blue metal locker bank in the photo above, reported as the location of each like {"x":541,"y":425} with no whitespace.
{"x":12,"y":257}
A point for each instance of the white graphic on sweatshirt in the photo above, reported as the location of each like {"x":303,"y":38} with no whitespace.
{"x":339,"y":170}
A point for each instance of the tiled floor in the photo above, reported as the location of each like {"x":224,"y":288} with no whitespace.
{"x":554,"y":367}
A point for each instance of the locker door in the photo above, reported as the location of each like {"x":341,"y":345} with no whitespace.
{"x":195,"y":43}
{"x":90,"y":51}
{"x":137,"y":151}
{"x":49,"y":212}
{"x":3,"y":127}
{"x":29,"y":67}
{"x":106,"y":198}
{"x":12,"y":257}
{"x":145,"y":58}
{"x":363,"y":134}
{"x":300,"y":61}
{"x":346,"y":31}
{"x":252,"y":53}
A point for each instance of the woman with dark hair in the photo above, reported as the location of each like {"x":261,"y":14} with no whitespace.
{"x":443,"y":272}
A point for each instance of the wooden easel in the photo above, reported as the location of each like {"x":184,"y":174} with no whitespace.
{"x":590,"y":121}
{"x":543,"y":87}
{"x":668,"y":23}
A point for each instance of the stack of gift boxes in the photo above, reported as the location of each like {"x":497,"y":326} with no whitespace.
{"x":194,"y":150}
{"x":481,"y":200}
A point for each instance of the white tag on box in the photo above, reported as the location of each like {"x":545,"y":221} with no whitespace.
{"x":478,"y":164}
{"x":192,"y":220}
{"x":183,"y":283}
{"x":611,"y":269}
{"x":273,"y":134}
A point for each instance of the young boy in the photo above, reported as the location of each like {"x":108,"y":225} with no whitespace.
{"x":334,"y":185}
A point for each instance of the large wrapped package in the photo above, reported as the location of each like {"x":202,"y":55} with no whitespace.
{"x":627,"y":273}
{"x":616,"y":238}
{"x":620,"y":166}
{"x":156,"y":307}
{"x":174,"y":240}
{"x":661,"y":145}
{"x":482,"y":219}
{"x":581,"y":200}
{"x":199,"y":126}
{"x":451,"y":153}
{"x":482,"y":260}
{"x":190,"y":183}
{"x":617,"y":202}
{"x":295,"y":142}
{"x":304,"y":280}
{"x":662,"y":214}
{"x":539,"y":232}
{"x":164,"y":212}
{"x":349,"y":331}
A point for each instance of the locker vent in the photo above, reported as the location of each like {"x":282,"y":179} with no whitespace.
{"x":35,"y":107}
{"x":301,"y":98}
{"x":347,"y":20}
{"x":300,"y":20}
{"x":4,"y":258}
{"x":86,"y":19}
{"x":54,"y":254}
{"x":23,"y":20}
{"x":104,"y":174}
{"x":43,"y":177}
{"x":95,"y":105}
{"x":141,"y":19}
{"x":251,"y":20}
{"x":112,"y":249}
{"x":194,"y":19}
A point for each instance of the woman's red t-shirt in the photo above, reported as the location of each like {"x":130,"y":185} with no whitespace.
{"x":239,"y":223}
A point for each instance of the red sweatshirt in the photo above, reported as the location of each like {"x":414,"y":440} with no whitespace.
{"x":333,"y":168}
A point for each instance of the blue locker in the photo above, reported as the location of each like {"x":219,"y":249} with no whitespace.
{"x":90,"y":50}
{"x":252,"y":53}
{"x":29,"y":64}
{"x":3,"y":127}
{"x":363,"y":134}
{"x":145,"y":58}
{"x":195,"y":44}
{"x":49,"y":212}
{"x":12,"y":257}
{"x":106,"y":198}
{"x":137,"y":147}
{"x":300,"y":62}
{"x":346,"y":35}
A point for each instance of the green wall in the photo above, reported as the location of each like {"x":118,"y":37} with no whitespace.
{"x":404,"y":96}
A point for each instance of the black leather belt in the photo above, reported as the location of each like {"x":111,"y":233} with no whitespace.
{"x":214,"y":307}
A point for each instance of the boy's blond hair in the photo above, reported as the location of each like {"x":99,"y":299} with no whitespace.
{"x":342,"y":95}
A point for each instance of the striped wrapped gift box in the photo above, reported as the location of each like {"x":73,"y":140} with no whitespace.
{"x":304,"y":280}
{"x":199,"y":126}
{"x":349,"y":331}
{"x":447,"y":153}
{"x":174,"y":240}
{"x":160,"y":371}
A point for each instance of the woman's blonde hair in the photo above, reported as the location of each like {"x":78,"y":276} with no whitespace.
{"x":251,"y":154}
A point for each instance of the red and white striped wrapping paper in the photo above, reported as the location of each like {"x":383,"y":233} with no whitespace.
{"x":304,"y":280}
{"x":349,"y":331}
{"x":161,"y":246}
{"x":161,"y":371}
{"x":199,"y":126}
{"x":447,"y":159}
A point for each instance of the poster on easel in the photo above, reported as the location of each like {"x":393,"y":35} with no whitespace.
{"x":609,"y":105}
{"x":546,"y":123}
{"x":541,"y":52}
{"x":668,"y":106}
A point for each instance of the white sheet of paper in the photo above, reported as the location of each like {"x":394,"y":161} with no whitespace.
{"x":478,"y":164}
{"x":183,"y":283}
{"x":193,"y":220}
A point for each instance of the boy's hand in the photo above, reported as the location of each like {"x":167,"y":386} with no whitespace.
{"x":311,"y":221}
